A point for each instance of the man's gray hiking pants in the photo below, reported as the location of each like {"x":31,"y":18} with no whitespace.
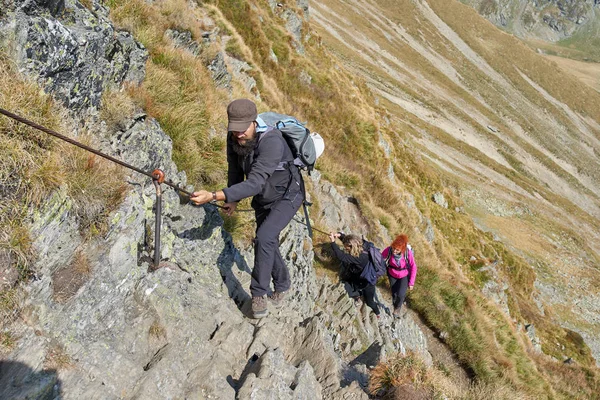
{"x":267,"y":258}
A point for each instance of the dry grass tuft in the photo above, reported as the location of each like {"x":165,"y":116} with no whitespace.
{"x":117,"y":106}
{"x":407,"y":377}
{"x":241,"y":225}
{"x":9,"y":305}
{"x":409,"y":370}
{"x":95,"y":185}
{"x":57,"y":358}
{"x":7,"y":342}
{"x":67,"y":281}
{"x":157,"y":330}
{"x":89,"y":4}
{"x":499,"y":391}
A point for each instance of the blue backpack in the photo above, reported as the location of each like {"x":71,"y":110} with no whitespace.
{"x":376,"y":267}
{"x":306,"y":146}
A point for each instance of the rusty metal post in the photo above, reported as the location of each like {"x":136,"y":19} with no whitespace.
{"x":158,"y":217}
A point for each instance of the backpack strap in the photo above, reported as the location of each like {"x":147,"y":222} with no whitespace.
{"x":262,"y":134}
{"x":297,"y":162}
{"x":282,"y":164}
{"x":406,"y":264}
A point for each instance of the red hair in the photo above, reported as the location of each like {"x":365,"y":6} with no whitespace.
{"x":400,"y":243}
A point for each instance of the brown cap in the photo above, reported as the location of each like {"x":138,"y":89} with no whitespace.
{"x":240,"y":113}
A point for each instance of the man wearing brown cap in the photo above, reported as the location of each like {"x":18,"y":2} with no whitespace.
{"x":260,"y":166}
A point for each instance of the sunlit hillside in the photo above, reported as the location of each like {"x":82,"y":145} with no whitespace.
{"x":515,"y":138}
{"x":436,"y":123}
{"x":568,"y":28}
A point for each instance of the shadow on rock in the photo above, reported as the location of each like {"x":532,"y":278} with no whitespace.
{"x":199,"y":233}
{"x":249,"y":368}
{"x":370,"y":357}
{"x":204,"y":231}
{"x":18,"y":381}
{"x":229,"y":257}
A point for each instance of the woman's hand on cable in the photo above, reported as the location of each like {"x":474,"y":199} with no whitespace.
{"x":201,"y":197}
{"x":333,"y":236}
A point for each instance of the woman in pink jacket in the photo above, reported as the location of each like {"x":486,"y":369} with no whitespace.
{"x":401,"y":269}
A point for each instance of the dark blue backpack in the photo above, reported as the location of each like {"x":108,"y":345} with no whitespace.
{"x":376,"y":267}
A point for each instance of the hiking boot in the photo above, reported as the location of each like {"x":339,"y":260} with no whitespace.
{"x":277,"y":298}
{"x":397,"y":312}
{"x":357,"y":301}
{"x":259,"y":307}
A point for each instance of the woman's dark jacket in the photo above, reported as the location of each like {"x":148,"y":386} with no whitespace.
{"x":352,"y":267}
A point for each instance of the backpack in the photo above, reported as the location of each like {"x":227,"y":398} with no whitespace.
{"x":376,"y":267}
{"x":306,"y":147}
{"x":406,"y":262}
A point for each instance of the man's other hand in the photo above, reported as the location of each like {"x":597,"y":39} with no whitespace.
{"x":229,"y":208}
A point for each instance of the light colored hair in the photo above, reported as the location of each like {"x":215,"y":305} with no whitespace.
{"x":354,"y":242}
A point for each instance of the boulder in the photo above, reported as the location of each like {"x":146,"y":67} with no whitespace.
{"x":439,"y":199}
{"x":74,"y":53}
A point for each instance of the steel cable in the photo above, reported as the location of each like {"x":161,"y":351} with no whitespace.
{"x":87,"y":148}
{"x":115,"y":160}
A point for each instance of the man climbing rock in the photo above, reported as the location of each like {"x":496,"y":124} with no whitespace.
{"x":260,"y":154}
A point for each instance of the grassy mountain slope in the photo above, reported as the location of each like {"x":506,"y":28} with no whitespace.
{"x":512,"y":135}
{"x":565,"y":28}
{"x":469,"y":112}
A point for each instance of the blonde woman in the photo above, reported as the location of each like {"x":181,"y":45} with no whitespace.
{"x":354,"y":259}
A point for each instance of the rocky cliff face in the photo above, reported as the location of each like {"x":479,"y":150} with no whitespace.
{"x":549,"y":20}
{"x":74,"y":52}
{"x":123,"y":331}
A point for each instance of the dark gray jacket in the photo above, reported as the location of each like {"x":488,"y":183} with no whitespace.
{"x":352,"y":267}
{"x":269,"y":171}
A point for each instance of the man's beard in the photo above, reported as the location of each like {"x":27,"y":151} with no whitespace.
{"x":244,"y":149}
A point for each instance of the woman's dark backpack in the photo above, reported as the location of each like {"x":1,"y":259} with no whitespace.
{"x":376,"y":267}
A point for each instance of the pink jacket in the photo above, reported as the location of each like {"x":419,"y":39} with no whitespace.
{"x":401,"y":273}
